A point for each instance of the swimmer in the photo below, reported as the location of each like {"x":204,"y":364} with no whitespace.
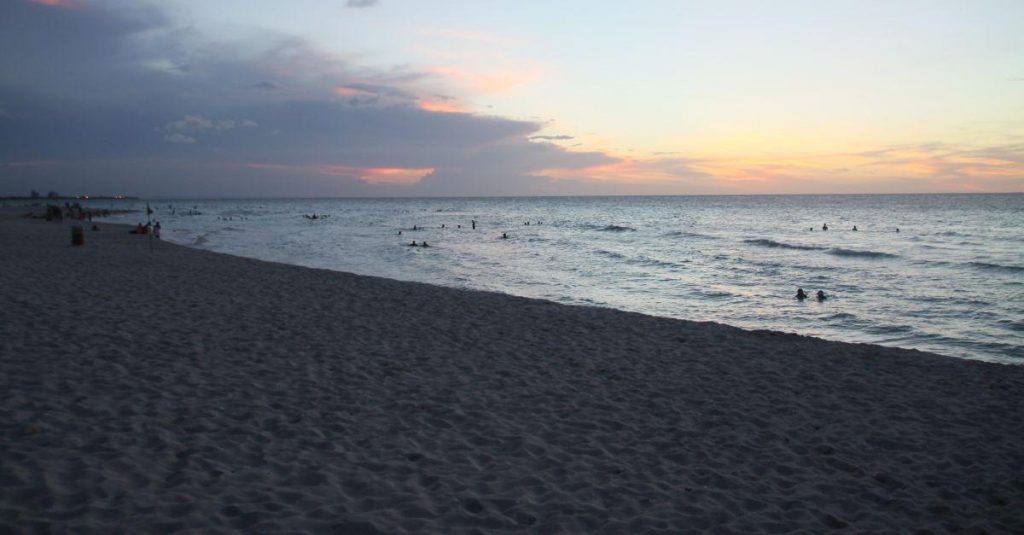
{"x":399,"y":232}
{"x":855,"y":228}
{"x":425,"y":244}
{"x":821,"y":296}
{"x":800,"y":294}
{"x":504,"y":236}
{"x":413,"y":244}
{"x":824,"y":227}
{"x":897,"y":230}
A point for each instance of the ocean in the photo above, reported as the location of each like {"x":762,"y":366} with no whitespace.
{"x":950,"y":281}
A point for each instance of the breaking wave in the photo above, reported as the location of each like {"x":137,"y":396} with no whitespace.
{"x":780,"y":245}
{"x":839,"y":251}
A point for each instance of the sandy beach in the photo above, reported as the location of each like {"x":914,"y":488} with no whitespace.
{"x":152,"y":391}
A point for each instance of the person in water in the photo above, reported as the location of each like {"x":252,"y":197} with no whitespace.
{"x":800,"y":294}
{"x":824,"y":227}
{"x":821,"y":296}
{"x":425,"y":244}
{"x":855,"y":228}
{"x":504,"y":235}
{"x":413,"y":244}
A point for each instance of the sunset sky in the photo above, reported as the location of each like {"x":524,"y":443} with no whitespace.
{"x":389,"y":97}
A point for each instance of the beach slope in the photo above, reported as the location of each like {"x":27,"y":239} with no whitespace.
{"x":156,"y":390}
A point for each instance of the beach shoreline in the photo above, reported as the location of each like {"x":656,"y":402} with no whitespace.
{"x":181,"y":388}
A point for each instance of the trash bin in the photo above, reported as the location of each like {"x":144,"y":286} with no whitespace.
{"x":77,"y":235}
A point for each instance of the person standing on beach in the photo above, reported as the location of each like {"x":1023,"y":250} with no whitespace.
{"x":156,"y":230}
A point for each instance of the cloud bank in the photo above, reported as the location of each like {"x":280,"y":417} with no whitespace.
{"x":121,"y":100}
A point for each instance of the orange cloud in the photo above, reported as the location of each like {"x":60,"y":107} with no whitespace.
{"x":903,"y":168}
{"x":372,"y":175}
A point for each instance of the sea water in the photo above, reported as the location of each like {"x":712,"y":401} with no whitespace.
{"x":951,"y":280}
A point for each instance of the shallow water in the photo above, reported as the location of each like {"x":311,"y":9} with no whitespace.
{"x":951,"y":281}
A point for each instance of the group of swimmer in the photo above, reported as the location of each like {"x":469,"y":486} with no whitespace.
{"x":504,"y":235}
{"x":825,"y":227}
{"x":801,"y":295}
{"x":315,"y":216}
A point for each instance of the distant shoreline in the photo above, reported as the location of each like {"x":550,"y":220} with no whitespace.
{"x":89,"y":198}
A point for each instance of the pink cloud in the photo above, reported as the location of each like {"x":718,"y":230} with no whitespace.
{"x":67,"y":4}
{"x":490,"y":83}
{"x":440,"y":106}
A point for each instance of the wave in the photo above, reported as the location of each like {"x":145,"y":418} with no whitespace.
{"x":683,"y":234}
{"x":640,"y":260}
{"x":611,"y":254}
{"x":997,"y":267}
{"x":839,"y":251}
{"x":889,"y":329}
{"x":654,"y":262}
{"x":616,"y":228}
{"x":780,"y":245}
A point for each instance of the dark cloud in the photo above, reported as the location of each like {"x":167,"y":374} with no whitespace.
{"x":362,"y":3}
{"x":262,"y":86}
{"x":121,"y":100}
{"x":561,"y":137}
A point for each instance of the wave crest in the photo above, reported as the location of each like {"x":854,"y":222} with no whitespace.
{"x":780,"y":245}
{"x":839,"y":251}
{"x":997,"y":267}
{"x":684,"y":234}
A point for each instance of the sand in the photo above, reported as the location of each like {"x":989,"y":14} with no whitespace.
{"x":179,"y":389}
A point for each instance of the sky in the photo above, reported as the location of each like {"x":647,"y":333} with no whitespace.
{"x":311,"y":98}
